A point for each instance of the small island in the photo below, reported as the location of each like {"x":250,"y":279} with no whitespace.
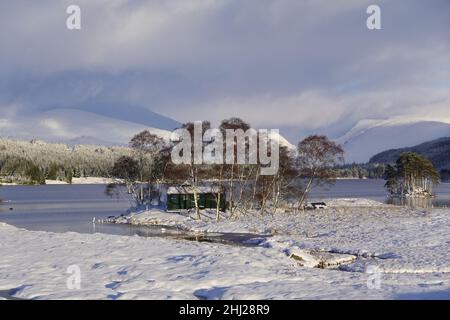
{"x":412,"y":175}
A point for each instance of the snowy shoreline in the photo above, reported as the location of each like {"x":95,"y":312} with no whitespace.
{"x":408,"y":247}
{"x":251,"y":222}
{"x":75,"y":181}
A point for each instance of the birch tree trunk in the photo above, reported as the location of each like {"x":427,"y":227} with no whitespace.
{"x":305,"y":193}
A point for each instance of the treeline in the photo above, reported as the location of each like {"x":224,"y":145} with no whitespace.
{"x":35,"y":161}
{"x":362,"y":171}
{"x":374,"y":171}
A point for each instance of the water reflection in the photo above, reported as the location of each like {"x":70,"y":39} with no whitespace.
{"x":417,"y":202}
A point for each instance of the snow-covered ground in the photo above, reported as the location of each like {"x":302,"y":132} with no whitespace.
{"x":251,"y":222}
{"x":369,"y":250}
{"x":85,"y":180}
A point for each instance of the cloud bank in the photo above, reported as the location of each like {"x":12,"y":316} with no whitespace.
{"x":302,"y":66}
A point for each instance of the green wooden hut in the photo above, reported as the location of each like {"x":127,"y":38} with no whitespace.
{"x":182,"y":198}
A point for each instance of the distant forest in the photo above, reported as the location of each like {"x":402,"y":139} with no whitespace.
{"x":361,"y":171}
{"x":35,"y":161}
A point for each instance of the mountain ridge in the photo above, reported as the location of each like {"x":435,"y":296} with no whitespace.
{"x":369,"y":138}
{"x":437,"y":151}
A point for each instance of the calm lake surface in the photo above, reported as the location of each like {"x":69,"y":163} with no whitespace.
{"x":64,"y":208}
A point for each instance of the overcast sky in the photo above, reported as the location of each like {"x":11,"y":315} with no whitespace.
{"x":300,"y":65}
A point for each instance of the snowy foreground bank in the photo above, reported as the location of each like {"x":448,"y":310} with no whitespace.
{"x":353,"y":250}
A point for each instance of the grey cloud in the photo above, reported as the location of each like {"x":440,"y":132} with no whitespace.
{"x":303,"y":66}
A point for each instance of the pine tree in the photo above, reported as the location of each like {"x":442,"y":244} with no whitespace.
{"x":412,"y":175}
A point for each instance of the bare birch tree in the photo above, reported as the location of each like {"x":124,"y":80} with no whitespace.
{"x":317,"y":157}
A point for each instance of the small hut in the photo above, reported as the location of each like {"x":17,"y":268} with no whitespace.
{"x":182,"y":198}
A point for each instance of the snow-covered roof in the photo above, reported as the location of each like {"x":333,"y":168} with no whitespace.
{"x":190,"y":189}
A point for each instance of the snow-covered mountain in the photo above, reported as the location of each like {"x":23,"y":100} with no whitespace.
{"x":73,"y":127}
{"x":369,"y":137}
{"x":130,"y":113}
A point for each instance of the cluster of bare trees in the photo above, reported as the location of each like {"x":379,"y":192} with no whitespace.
{"x":142,"y":169}
{"x":300,"y":169}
